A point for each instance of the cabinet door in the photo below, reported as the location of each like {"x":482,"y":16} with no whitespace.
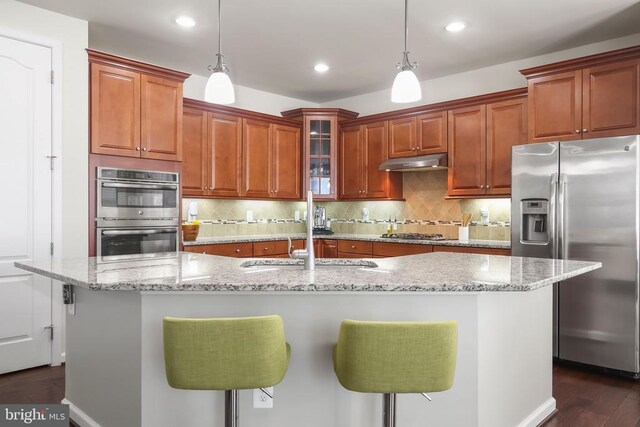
{"x":286,"y":162}
{"x":321,"y":158}
{"x":555,"y":107}
{"x":115,"y":111}
{"x":506,"y":127}
{"x":402,"y":137}
{"x":256,"y":159}
{"x":611,"y":100}
{"x":351,"y":163}
{"x":195,"y":162}
{"x":467,"y":151}
{"x":375,"y":149}
{"x":225,"y":155}
{"x":432,"y":133}
{"x":329,"y":248}
{"x":161,"y":118}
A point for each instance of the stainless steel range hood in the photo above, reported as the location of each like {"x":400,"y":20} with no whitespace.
{"x":429,"y":162}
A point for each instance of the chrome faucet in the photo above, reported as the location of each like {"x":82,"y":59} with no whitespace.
{"x":307,"y":254}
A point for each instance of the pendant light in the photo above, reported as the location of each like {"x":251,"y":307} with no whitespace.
{"x":219,"y":88}
{"x":406,"y":87}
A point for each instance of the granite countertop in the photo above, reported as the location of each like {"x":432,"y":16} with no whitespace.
{"x":491,"y":244}
{"x":433,"y":272}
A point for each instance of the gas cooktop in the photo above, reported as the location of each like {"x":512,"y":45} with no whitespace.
{"x":413,"y":236}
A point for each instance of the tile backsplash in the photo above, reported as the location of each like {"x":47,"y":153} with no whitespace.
{"x":425,"y":211}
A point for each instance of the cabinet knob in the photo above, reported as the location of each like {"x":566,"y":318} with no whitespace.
{"x":353,"y":247}
{"x":577,"y":130}
{"x":144,"y":148}
{"x":266,"y":249}
{"x":137,"y":148}
{"x":238,"y":250}
{"x":585,"y":130}
{"x":488,"y":186}
{"x":482,"y":186}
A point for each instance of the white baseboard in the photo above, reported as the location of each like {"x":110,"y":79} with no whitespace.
{"x":79,"y":417}
{"x":542,"y":412}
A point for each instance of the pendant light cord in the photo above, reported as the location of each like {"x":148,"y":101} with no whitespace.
{"x":219,"y":29}
{"x":406,"y":27}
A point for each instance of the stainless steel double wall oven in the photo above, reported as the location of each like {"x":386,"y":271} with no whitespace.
{"x":137,"y":212}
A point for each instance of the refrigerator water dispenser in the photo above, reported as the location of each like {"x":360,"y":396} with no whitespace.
{"x":535,"y":214}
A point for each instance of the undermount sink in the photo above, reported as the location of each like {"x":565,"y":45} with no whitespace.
{"x":320,"y":263}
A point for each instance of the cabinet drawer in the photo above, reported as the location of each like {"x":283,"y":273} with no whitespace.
{"x":276,"y":247}
{"x":354,"y":247}
{"x":398,"y":249}
{"x":238,"y":250}
{"x":462,"y":249}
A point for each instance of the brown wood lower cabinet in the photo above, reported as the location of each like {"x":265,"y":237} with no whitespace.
{"x":325,"y":248}
{"x":237,"y":250}
{"x":466,"y":250}
{"x":276,"y":248}
{"x":381,"y":249}
{"x":354,"y":247}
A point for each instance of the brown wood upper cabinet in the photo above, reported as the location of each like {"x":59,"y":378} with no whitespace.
{"x":136,"y":108}
{"x":362,"y":149}
{"x":480,"y":141}
{"x":590,"y":97}
{"x":417,"y":136}
{"x":271,"y":160}
{"x":213,"y":154}
{"x":320,"y":148}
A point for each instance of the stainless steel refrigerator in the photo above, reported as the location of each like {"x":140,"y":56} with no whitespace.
{"x":579,"y":200}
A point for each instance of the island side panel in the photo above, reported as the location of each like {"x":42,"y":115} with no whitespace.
{"x":103,"y":358}
{"x":515,"y":358}
{"x":310,"y":394}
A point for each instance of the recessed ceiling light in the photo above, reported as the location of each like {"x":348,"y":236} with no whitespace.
{"x":456,"y":26}
{"x":185,"y":21}
{"x":321,"y":68}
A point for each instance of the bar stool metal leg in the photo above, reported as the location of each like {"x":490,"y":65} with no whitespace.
{"x":231,"y":408}
{"x":389,"y":410}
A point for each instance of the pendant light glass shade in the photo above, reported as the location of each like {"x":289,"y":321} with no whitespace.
{"x":406,"y":88}
{"x":219,"y":89}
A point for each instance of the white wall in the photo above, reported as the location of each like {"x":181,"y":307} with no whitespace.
{"x":72,"y":33}
{"x":248,"y":98}
{"x":476,"y":82}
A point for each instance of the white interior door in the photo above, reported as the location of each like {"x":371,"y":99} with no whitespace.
{"x":25,"y":203}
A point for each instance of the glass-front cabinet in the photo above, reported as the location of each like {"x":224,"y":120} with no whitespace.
{"x":320,"y":132}
{"x":320,"y":147}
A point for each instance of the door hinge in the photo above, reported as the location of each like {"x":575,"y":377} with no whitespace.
{"x":51,"y":160}
{"x":52,"y":77}
{"x":50,"y":328}
{"x":51,"y":248}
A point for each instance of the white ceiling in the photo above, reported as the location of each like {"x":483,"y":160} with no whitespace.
{"x":272,"y":45}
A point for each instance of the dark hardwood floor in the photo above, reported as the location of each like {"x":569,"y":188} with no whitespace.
{"x":584,"y":398}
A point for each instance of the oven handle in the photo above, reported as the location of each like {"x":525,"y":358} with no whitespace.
{"x":150,"y":186}
{"x":138,"y":231}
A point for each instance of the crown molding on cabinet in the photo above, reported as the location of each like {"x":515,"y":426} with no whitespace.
{"x":104,"y":58}
{"x":582,"y":62}
{"x":247,"y":114}
{"x":341,"y":114}
{"x":439,"y":106}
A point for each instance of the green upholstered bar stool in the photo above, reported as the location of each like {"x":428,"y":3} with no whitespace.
{"x":225,"y":354}
{"x":396,"y":357}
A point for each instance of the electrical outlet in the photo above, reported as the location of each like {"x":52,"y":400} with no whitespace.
{"x":261,"y":399}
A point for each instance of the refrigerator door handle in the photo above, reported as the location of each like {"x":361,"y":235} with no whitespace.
{"x":553,"y":221}
{"x":562,"y":193}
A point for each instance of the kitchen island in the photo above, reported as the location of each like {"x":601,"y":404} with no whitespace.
{"x":115,"y":370}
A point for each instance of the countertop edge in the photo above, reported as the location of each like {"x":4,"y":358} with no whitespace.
{"x":473,"y":243}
